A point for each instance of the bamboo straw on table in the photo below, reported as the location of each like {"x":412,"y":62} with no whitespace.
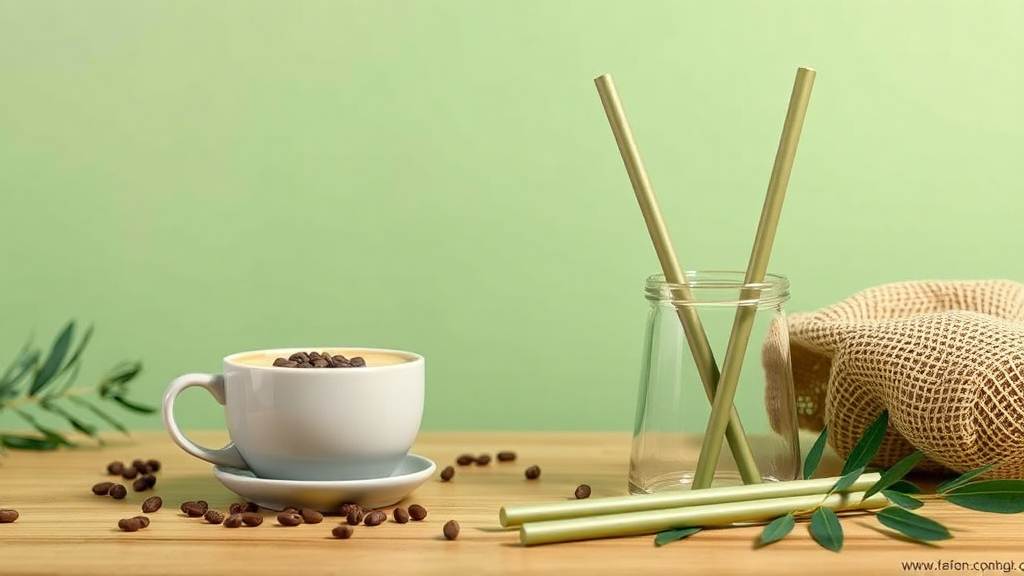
{"x":564,"y":509}
{"x":722,"y":406}
{"x":707,"y":367}
{"x":653,"y":521}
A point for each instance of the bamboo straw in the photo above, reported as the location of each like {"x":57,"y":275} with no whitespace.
{"x":707,"y":367}
{"x":653,"y":521}
{"x":563,"y":509}
{"x":722,"y":406}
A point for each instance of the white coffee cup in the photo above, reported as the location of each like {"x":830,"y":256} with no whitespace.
{"x":350,"y":423}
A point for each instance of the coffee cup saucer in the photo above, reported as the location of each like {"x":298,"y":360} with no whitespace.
{"x":328,"y":496}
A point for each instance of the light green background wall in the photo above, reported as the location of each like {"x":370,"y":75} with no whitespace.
{"x":203,"y":177}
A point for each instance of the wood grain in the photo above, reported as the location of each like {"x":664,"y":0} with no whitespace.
{"x":65,"y":529}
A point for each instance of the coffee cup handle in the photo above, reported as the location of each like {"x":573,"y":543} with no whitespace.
{"x":214,"y":384}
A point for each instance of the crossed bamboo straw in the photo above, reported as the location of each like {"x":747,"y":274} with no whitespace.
{"x":720,"y":386}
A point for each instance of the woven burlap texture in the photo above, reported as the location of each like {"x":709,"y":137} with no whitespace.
{"x":944,"y":357}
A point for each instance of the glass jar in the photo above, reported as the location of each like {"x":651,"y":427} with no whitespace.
{"x":674,"y":403}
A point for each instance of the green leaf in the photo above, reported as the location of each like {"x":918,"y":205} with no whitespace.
{"x":912,"y":525}
{"x":896,"y":473}
{"x":778,"y":529}
{"x":963,"y":479}
{"x":1000,"y":496}
{"x":846,"y":480}
{"x":669,"y":536}
{"x":77,"y":354}
{"x":55,"y":360}
{"x":868,"y":445}
{"x":902,"y":500}
{"x":826,"y":530}
{"x":27,"y":442}
{"x":905,"y":487}
{"x":22,"y":366}
{"x":83,"y":427}
{"x":99,"y":413}
{"x":133,"y":406}
{"x":48,"y":433}
{"x":814,"y":455}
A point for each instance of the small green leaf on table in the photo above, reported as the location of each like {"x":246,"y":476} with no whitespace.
{"x":999,"y":496}
{"x":909,"y":524}
{"x":669,"y":536}
{"x":826,"y":530}
{"x":902,"y":500}
{"x":778,"y":529}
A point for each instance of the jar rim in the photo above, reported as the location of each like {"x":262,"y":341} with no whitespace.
{"x":723,"y":287}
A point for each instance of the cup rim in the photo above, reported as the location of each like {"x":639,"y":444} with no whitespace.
{"x":413,"y":358}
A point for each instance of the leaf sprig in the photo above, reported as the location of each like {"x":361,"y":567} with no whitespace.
{"x":47,"y":383}
{"x":998,"y":496}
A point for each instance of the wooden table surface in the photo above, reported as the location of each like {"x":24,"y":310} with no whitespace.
{"x":65,"y":529}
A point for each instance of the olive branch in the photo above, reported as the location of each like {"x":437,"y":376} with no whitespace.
{"x":35,"y":382}
{"x":997,"y":496}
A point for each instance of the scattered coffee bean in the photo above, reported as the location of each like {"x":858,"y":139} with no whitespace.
{"x":252,"y":519}
{"x":193,"y":509}
{"x":483,"y":460}
{"x":375,"y":518}
{"x":102,"y":489}
{"x":118,"y":492}
{"x":311,"y":516}
{"x":355,"y":515}
{"x":140,"y":466}
{"x":451,"y":530}
{"x":204,"y":504}
{"x":289,"y":519}
{"x":140,"y":485}
{"x":290,"y":510}
{"x":152,"y":504}
{"x":7,"y":515}
{"x":401,"y":515}
{"x":154,"y":465}
{"x":129,"y":524}
{"x":582,"y":491}
{"x":251,"y":507}
{"x":233,"y":521}
{"x":447,"y":473}
{"x":417,"y":512}
{"x":143,"y":520}
{"x":506,"y":456}
{"x":465,"y":459}
{"x":150,"y":480}
{"x":533,"y":472}
{"x":115,"y":468}
{"x":344,"y":509}
{"x":342,"y":532}
{"x":129,"y":473}
{"x":214,"y":516}
{"x":235,"y":508}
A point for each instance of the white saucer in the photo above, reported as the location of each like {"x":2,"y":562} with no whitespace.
{"x":412,"y":472}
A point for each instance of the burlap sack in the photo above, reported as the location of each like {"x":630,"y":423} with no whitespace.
{"x":945,"y":358}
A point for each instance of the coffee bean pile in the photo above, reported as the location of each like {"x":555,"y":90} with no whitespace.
{"x":319,"y":360}
{"x":140,"y":471}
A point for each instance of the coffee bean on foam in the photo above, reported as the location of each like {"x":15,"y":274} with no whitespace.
{"x":319,"y":360}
